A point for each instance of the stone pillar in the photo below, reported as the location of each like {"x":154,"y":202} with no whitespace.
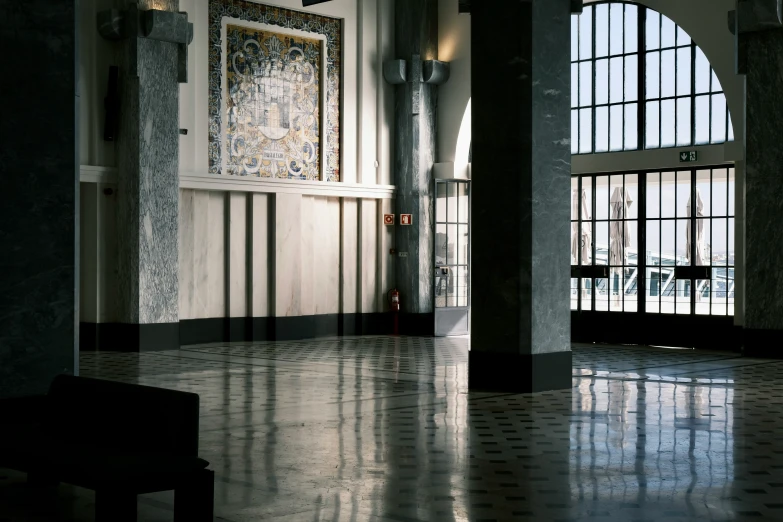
{"x":416,"y":39}
{"x":520,"y":330}
{"x":39,"y":195}
{"x":148,"y":187}
{"x":760,"y":48}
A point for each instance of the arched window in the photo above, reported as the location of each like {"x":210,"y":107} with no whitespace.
{"x":639,"y":81}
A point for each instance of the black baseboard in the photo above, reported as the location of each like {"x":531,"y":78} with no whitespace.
{"x":757,"y":342}
{"x":121,"y":337}
{"x":519,"y":373}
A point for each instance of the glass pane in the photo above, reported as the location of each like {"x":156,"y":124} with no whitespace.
{"x":616,"y":289}
{"x":703,"y":242}
{"x":718,"y":118}
{"x":653,"y":195}
{"x":668,"y":75}
{"x":452,"y":188}
{"x":587,"y":195}
{"x":574,"y":198}
{"x":667,"y":123}
{"x":718,"y":290}
{"x":683,"y":194}
{"x":574,"y":131}
{"x":703,"y":192}
{"x":575,"y":238}
{"x":652,"y":73}
{"x":602,"y":197}
{"x":702,"y":297}
{"x":601,"y":30}
{"x":601,"y":295}
{"x":631,"y":126}
{"x":731,"y":192}
{"x":720,"y":193}
{"x":587,"y":292}
{"x":632,"y":190}
{"x":631,"y":28}
{"x":653,"y":30}
{"x":616,"y":207}
{"x":631,"y":78}
{"x":652,"y":130}
{"x":683,"y":71}
{"x":719,"y":246}
{"x":616,"y":37}
{"x":586,"y":34}
{"x":667,"y":242}
{"x":601,"y":129}
{"x":653,"y":292}
{"x":601,"y":82}
{"x":574,"y":85}
{"x":574,"y":38}
{"x":585,"y":84}
{"x":682,"y":37}
{"x":668,"y":194}
{"x":574,"y":293}
{"x":601,"y":243}
{"x":441,"y":244}
{"x":463,"y":202}
{"x":440,"y":203}
{"x":702,"y":72}
{"x":616,"y":80}
{"x":462,"y":254}
{"x":684,"y":126}
{"x":683,"y":296}
{"x":616,"y":128}
{"x":463,"y":288}
{"x":585,"y":130}
{"x":451,"y":252}
{"x":702,"y":123}
{"x":683,"y":231}
{"x":668,"y":32}
{"x":730,"y":253}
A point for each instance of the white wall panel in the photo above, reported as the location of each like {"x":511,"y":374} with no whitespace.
{"x":288,"y":255}
{"x":187,"y":237}
{"x":237,"y":258}
{"x":368,"y":259}
{"x":349,"y":244}
{"x":215,"y":239}
{"x":308,"y":255}
{"x":261,"y":255}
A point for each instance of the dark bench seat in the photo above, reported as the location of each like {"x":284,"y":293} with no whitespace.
{"x":119,"y":440}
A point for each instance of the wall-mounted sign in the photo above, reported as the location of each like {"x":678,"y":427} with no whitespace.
{"x":388,"y":219}
{"x":406,"y":219}
{"x":688,"y":156}
{"x":403,"y":254}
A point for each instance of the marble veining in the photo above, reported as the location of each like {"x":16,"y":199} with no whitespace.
{"x":763,"y":186}
{"x":520,"y":212}
{"x":416,"y":34}
{"x":148,"y":181}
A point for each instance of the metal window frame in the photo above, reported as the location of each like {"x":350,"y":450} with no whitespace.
{"x":458,"y":223}
{"x":641,"y":99}
{"x":643,"y":223}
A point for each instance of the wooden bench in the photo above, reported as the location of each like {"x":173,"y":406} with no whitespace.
{"x":120,"y":440}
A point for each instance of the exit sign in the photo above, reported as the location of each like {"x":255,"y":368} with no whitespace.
{"x":688,"y":156}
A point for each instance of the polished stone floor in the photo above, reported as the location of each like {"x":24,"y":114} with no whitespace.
{"x":384,"y":429}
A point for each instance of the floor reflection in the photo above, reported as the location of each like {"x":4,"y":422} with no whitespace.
{"x":380,"y":428}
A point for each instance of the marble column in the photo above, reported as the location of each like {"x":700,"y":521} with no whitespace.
{"x":416,"y":39}
{"x":39,"y":195}
{"x":520,"y":329}
{"x":148,"y":188}
{"x":761,"y":51}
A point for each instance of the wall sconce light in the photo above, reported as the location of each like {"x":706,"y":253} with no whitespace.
{"x":436,"y":72}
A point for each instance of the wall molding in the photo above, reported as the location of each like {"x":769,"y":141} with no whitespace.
{"x":203,"y":181}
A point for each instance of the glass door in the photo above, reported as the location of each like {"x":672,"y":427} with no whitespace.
{"x":658,"y":248}
{"x":452,"y":257}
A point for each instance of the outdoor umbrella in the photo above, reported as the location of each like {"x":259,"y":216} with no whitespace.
{"x":619,"y":233}
{"x":580,"y":240}
{"x":700,"y":257}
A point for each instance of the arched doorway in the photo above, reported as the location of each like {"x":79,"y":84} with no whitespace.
{"x":652,"y":248}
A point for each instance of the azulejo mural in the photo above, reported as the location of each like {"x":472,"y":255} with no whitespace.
{"x":274,"y":95}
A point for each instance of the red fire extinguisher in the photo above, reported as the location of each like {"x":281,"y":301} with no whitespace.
{"x":394,"y":300}
{"x":394,"y":305}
